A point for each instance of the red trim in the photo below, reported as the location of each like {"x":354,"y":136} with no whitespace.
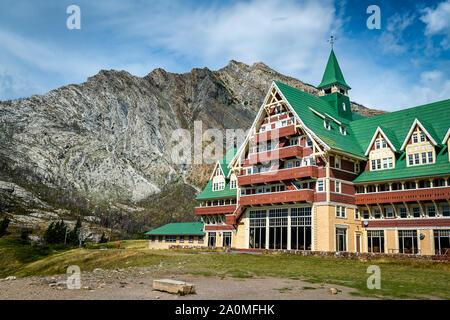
{"x":219,"y":228}
{"x":439,"y":193}
{"x":215,"y":209}
{"x":404,"y":223}
{"x":285,"y":174}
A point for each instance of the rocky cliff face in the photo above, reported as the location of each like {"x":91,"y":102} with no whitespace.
{"x":107,"y":140}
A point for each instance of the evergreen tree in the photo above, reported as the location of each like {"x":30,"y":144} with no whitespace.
{"x":73,"y":235}
{"x":55,"y":233}
{"x":103,"y":239}
{"x":3,"y":226}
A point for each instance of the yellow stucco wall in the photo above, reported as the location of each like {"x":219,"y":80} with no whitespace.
{"x":165,"y":245}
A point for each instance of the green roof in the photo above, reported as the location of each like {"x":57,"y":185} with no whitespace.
{"x":208,"y":192}
{"x":333,"y":73}
{"x":401,"y":171}
{"x":186,"y":228}
{"x":435,"y":117}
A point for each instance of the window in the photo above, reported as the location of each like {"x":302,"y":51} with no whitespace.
{"x":191,"y":239}
{"x":422,"y":137}
{"x":357,"y":214}
{"x":340,"y":212}
{"x":414,"y":136}
{"x":388,"y":212}
{"x":390,"y":163}
{"x":377,"y":214}
{"x":416,"y":158}
{"x":320,"y":186}
{"x":257,"y":230}
{"x":181,"y":239}
{"x":337,"y":162}
{"x":211,"y":239}
{"x":424,"y":157}
{"x":278,"y":220}
{"x":378,"y":164}
{"x":410,"y":160}
{"x":441,"y":241}
{"x":153,"y":238}
{"x":407,"y":241}
{"x":301,"y":228}
{"x":431,"y":210}
{"x":385,"y":163}
{"x":357,"y":167}
{"x":309,"y":142}
{"x":233,"y":184}
{"x":366,"y":214}
{"x":171,"y":238}
{"x":373,"y":165}
{"x":338,"y":187}
{"x":377,"y":144}
{"x":327,"y":124}
{"x":375,"y":241}
{"x":160,"y":238}
{"x":383,"y":142}
{"x":343,"y":104}
{"x":446,"y":211}
{"x":200,"y":239}
{"x":226,"y":240}
{"x":403,"y":212}
{"x":430,"y":157}
{"x":416,"y":212}
{"x":341,"y":239}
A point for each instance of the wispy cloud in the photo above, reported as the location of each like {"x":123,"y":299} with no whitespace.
{"x":438,"y":22}
{"x":392,"y":39}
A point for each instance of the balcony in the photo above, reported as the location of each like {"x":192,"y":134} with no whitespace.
{"x":274,"y":134}
{"x":215,"y":209}
{"x":428,"y":194}
{"x":278,"y":175}
{"x":277,"y":197}
{"x":286,"y":152}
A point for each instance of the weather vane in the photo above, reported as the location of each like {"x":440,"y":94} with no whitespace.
{"x":331,"y":41}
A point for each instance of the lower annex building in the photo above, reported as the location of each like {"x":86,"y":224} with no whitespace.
{"x":313,"y":175}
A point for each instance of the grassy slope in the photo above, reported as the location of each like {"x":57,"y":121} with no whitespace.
{"x":398,"y":279}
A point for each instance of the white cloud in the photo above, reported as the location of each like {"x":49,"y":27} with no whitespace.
{"x":286,"y":35}
{"x":438,"y":22}
{"x":392,"y":37}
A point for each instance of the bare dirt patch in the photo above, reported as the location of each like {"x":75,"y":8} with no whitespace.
{"x":136,"y":284}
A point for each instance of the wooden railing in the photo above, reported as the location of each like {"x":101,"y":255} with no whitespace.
{"x":278,"y":175}
{"x":277,"y":197}
{"x":438,"y":193}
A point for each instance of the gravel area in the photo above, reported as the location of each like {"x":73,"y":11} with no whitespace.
{"x":136,"y":284}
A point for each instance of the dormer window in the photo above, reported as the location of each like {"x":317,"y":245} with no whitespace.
{"x":327,"y":124}
{"x":377,"y":144}
{"x":422,"y":137}
{"x":414,"y":137}
{"x":343,"y":105}
{"x":343,"y":130}
{"x":327,"y":91}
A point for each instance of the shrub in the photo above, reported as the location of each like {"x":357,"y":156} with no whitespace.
{"x":3,"y":226}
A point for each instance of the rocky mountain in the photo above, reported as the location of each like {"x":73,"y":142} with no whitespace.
{"x":106,"y":143}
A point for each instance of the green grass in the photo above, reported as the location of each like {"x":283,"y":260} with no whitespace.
{"x":399,"y":279}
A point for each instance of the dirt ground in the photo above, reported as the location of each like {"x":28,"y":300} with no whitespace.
{"x":136,"y":284}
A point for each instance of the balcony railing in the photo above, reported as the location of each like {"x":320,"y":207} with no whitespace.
{"x":428,"y":194}
{"x":281,"y":153}
{"x":278,"y":175}
{"x":215,"y":209}
{"x":278,"y":197}
{"x":275,"y":133}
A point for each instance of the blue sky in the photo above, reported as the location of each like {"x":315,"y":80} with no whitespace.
{"x":404,"y":64}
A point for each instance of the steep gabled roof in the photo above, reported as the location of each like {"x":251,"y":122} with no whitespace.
{"x":428,"y":132}
{"x":436,"y":115}
{"x":388,"y":136}
{"x":308,"y":107}
{"x":172,"y":229}
{"x":333,"y":73}
{"x":208,"y":192}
